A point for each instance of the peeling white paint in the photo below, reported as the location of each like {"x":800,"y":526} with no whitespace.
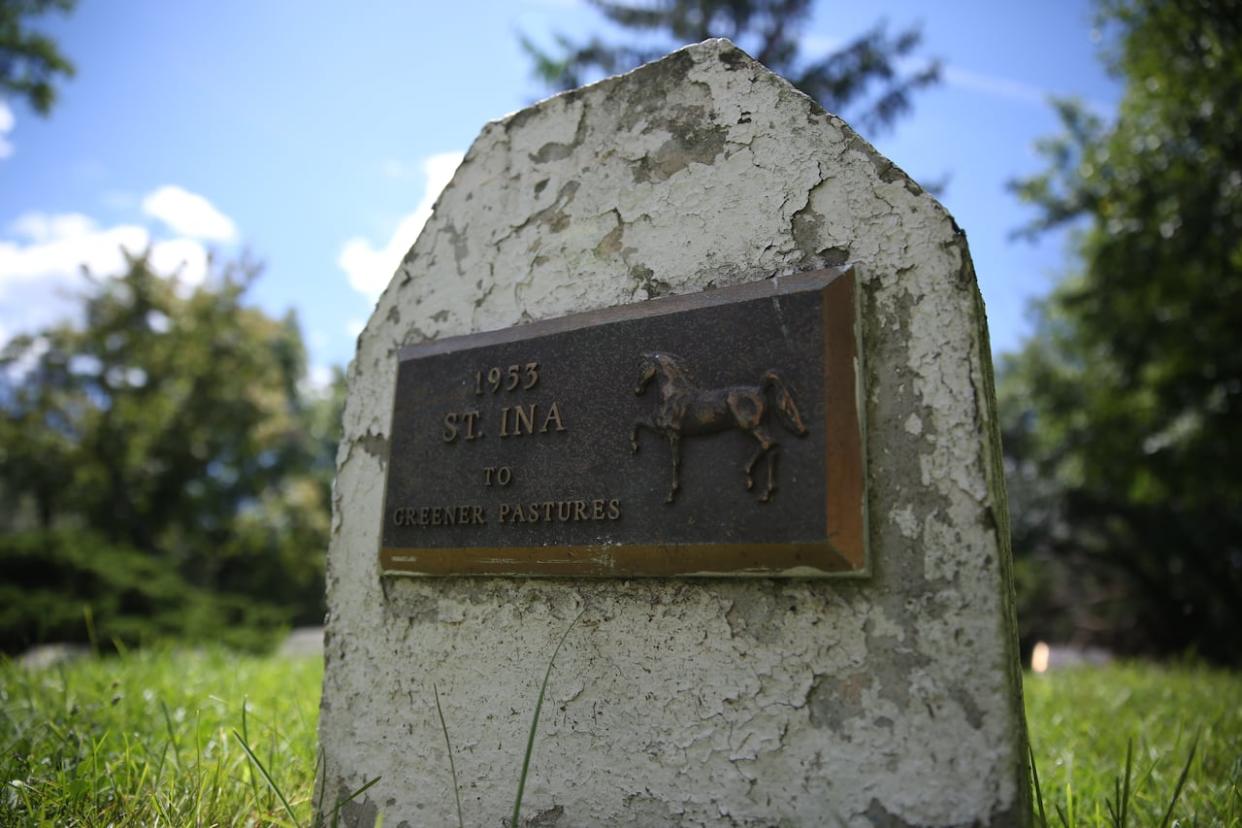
{"x":906,"y":521}
{"x":691,"y":702}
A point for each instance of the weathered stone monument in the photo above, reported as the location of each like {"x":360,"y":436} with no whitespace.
{"x":680,"y":352}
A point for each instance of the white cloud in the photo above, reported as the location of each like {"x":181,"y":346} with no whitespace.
{"x":399,"y":170}
{"x":189,"y":214}
{"x":317,"y":384}
{"x":42,"y":255}
{"x":42,"y":270}
{"x":320,"y":375}
{"x":185,"y":257}
{"x":954,"y":76}
{"x":22,"y":366}
{"x":61,"y":245}
{"x":992,"y":85}
{"x":6,"y":126}
{"x":369,"y":268}
{"x":817,"y":45}
{"x":1011,"y":90}
{"x":42,"y":227}
{"x":118,"y":200}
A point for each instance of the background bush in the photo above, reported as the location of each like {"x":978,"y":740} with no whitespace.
{"x":165,"y":467}
{"x":73,"y":585}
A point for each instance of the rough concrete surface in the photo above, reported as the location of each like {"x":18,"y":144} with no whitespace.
{"x":889,"y":701}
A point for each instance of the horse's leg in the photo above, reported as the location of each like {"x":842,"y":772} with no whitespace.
{"x":750,"y":482}
{"x":765,"y":442}
{"x":674,"y":444}
{"x":773,"y":454}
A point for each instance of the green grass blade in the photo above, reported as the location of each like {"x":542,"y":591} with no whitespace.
{"x":461,"y":822}
{"x":158,"y":801}
{"x":534,"y":724}
{"x":1125,"y":791}
{"x":198,"y":767}
{"x":321,"y":773}
{"x":215,"y":783}
{"x":89,"y":618}
{"x":172,"y":736}
{"x":1181,"y":781}
{"x":271,"y":760}
{"x":254,"y":786}
{"x":1039,"y":793}
{"x":266,"y":776}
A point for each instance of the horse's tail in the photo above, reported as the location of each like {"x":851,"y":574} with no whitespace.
{"x":783,"y":402}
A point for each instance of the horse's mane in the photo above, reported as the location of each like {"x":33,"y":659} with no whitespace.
{"x":677,"y":368}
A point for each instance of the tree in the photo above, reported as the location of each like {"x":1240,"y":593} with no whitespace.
{"x":864,"y":77}
{"x":175,"y":422}
{"x":30,"y":61}
{"x":1123,"y":415}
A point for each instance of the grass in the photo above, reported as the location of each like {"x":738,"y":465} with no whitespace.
{"x":1085,"y":723}
{"x":215,"y":738}
{"x":147,"y":738}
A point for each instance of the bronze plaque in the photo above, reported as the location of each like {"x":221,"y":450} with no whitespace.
{"x":712,"y":434}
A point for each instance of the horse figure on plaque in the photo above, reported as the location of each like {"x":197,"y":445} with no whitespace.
{"x":686,"y":410}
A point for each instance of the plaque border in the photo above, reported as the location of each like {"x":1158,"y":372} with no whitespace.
{"x":847,"y":555}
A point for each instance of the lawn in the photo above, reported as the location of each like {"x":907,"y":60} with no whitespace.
{"x":156,"y":738}
{"x":1084,"y":721}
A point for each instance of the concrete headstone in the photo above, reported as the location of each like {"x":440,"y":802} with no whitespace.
{"x":891,"y":699}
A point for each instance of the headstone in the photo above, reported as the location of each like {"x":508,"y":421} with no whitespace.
{"x":812,"y":622}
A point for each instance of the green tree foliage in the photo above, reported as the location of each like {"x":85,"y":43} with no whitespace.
{"x":1123,"y":415}
{"x":173,"y":422}
{"x":863,"y":79}
{"x":30,"y":61}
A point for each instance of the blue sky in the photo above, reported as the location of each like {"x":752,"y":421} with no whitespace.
{"x":308,"y":134}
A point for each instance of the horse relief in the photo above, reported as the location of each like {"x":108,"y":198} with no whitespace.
{"x":683,"y":409}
